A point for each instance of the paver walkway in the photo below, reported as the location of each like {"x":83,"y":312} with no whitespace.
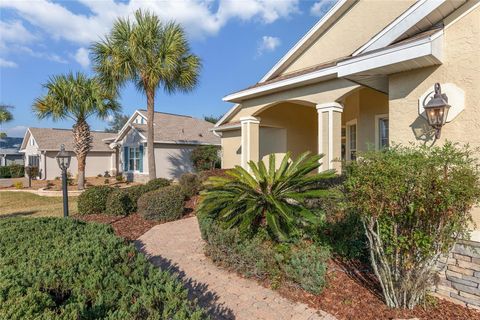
{"x":178,"y":246}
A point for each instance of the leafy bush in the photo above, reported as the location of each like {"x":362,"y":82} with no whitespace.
{"x":119,"y":203}
{"x":119,"y":178}
{"x":156,"y":184}
{"x":135,"y":192}
{"x":164,"y":204}
{"x":18,"y":185}
{"x":205,"y":158}
{"x":271,"y":199}
{"x":414,"y":204}
{"x":106,"y":181}
{"x":307,"y":266}
{"x":190,"y":184}
{"x":301,"y":263}
{"x":93,"y":200}
{"x":66,"y":269}
{"x":12,"y":171}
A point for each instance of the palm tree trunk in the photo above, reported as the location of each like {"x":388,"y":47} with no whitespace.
{"x":82,"y":144}
{"x":150,"y":136}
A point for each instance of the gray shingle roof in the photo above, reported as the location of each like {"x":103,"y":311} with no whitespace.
{"x":180,"y":129}
{"x":51,"y":139}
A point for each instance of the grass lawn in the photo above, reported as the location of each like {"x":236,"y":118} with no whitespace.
{"x":24,"y":204}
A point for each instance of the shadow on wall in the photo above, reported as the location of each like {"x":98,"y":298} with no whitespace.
{"x":180,"y":163}
{"x":206,"y":298}
{"x":422,"y":131}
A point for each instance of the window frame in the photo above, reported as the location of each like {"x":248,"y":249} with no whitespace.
{"x":379,"y":117}
{"x":348,"y":148}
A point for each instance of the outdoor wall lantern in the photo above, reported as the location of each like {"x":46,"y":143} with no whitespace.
{"x":437,"y":110}
{"x":63,"y":160}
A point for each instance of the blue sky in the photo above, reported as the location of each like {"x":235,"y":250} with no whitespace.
{"x":237,"y":40}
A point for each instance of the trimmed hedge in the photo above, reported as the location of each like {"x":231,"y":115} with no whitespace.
{"x":190,"y":184}
{"x":165,"y":204}
{"x":119,"y":203}
{"x":53,"y":268}
{"x":94,"y":200}
{"x":12,"y":171}
{"x":156,"y":184}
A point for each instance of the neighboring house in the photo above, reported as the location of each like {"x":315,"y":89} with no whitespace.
{"x":9,"y":151}
{"x":41,"y":145}
{"x":175,"y":137}
{"x":359,"y":79}
{"x":126,"y":152}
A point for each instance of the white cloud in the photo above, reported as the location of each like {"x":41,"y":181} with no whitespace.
{"x":81,"y":56}
{"x":7,"y":63}
{"x":17,"y":131}
{"x":319,"y":8}
{"x":14,"y":32}
{"x":199,"y":17}
{"x":268,"y":44}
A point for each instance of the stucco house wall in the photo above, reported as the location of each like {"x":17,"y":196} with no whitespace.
{"x":96,"y":163}
{"x":231,"y":148}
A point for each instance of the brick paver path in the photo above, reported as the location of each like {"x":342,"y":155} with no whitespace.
{"x":178,"y":246}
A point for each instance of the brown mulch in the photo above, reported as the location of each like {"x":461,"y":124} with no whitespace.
{"x":352,"y":292}
{"x":129,"y":227}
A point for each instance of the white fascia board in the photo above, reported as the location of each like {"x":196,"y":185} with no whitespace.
{"x":227,"y":115}
{"x":226,"y":127}
{"x":128,"y":124}
{"x":312,"y":76}
{"x":345,"y":4}
{"x":23,"y":146}
{"x":430,"y":46}
{"x":400,"y":25}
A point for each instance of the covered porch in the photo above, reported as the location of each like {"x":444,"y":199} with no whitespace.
{"x":353,"y":119}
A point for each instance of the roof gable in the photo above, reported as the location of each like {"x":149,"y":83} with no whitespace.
{"x":346,"y":27}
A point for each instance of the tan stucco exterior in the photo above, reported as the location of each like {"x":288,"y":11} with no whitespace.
{"x":291,"y":122}
{"x":354,"y":28}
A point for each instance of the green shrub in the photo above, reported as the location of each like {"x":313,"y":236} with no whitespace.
{"x":93,"y":200}
{"x":135,"y":192}
{"x":66,"y":269}
{"x":302,"y":263}
{"x":12,"y":171}
{"x":119,"y":178}
{"x":164,"y":204}
{"x":156,"y":184}
{"x":190,"y":184}
{"x":205,"y":158}
{"x":307,"y":266}
{"x":119,"y":203}
{"x":414,"y":204}
{"x":271,"y":199}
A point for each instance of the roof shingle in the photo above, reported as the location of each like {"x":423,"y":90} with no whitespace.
{"x":51,"y":139}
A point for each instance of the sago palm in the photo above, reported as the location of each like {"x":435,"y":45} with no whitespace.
{"x":76,"y":97}
{"x":5,"y":116}
{"x":270,"y":198}
{"x":153,"y":55}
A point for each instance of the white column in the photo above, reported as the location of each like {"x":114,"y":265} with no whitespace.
{"x":329,"y":143}
{"x":250,"y":127}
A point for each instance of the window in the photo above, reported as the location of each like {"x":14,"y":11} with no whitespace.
{"x":352,"y":140}
{"x":381,"y":131}
{"x":34,"y":161}
{"x":133,"y":158}
{"x":32,"y":142}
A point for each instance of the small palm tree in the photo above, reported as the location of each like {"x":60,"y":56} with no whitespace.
{"x":5,"y":116}
{"x":151,"y":54}
{"x":76,"y":97}
{"x":269,"y":198}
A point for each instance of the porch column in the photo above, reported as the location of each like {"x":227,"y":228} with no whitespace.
{"x":250,"y":140}
{"x":329,"y":134}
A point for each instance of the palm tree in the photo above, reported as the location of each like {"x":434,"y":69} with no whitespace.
{"x":5,"y":116}
{"x":76,"y":97}
{"x":269,"y":198}
{"x":153,"y":55}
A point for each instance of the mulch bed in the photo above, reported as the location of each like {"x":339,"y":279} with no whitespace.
{"x":131,"y":227}
{"x":353,"y":293}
